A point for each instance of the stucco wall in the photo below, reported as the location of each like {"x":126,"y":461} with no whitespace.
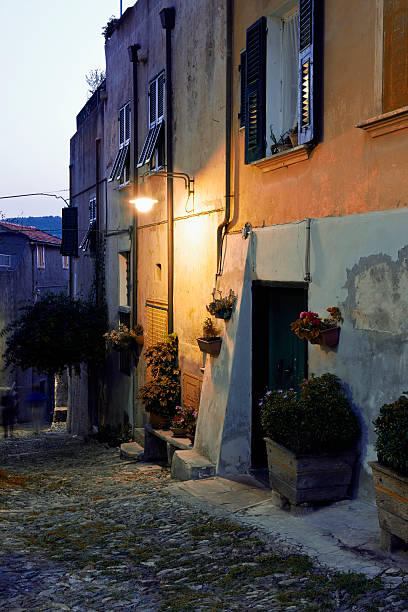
{"x":358,"y":263}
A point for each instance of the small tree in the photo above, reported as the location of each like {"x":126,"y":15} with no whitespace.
{"x":56,"y":332}
{"x":93,"y":79}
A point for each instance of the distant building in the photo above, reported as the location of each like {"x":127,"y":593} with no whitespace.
{"x":30,"y":266}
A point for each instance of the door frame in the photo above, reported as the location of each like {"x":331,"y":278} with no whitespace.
{"x":258,"y":345}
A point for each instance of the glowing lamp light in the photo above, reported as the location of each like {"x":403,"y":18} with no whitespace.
{"x":143,"y":204}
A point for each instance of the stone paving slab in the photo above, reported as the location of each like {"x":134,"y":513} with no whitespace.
{"x":343,"y":536}
{"x":83,"y":530}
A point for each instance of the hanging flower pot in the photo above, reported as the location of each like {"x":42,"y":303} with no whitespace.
{"x":326,"y":332}
{"x":212,"y":346}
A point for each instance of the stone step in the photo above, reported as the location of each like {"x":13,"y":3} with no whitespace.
{"x":131,"y":450}
{"x":60,"y":414}
{"x":190,"y":465}
{"x":139,"y":435}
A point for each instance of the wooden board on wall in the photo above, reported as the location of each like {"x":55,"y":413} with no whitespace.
{"x":191,"y":385}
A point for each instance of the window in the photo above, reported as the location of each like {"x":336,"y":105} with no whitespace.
{"x":5,"y":261}
{"x":278,"y":73}
{"x":156,"y":321}
{"x":40,"y":256}
{"x":65,"y":262}
{"x":89,"y":241}
{"x":121,"y":166}
{"x":395,"y":40}
{"x":153,"y":148}
{"x":124,"y":279}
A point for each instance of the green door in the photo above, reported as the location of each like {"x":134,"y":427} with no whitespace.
{"x":279,"y":358}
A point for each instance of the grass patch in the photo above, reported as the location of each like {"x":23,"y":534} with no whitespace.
{"x":213,"y":527}
{"x":355,"y":584}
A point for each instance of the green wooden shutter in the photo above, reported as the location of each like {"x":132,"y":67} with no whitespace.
{"x":255,"y":141}
{"x":308,"y":73}
{"x":243,"y":89}
{"x":69,"y":244}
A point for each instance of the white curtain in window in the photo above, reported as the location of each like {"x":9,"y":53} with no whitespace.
{"x":290,"y":47}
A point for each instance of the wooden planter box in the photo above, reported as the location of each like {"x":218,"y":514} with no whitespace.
{"x":212,"y":347}
{"x":309,"y":478}
{"x":391,"y":495}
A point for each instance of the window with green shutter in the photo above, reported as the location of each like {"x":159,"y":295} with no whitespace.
{"x":278,"y":89}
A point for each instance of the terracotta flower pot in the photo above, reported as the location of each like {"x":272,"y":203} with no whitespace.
{"x":179,"y":432}
{"x":157,"y":421}
{"x":327,"y":337}
{"x":212,"y":346}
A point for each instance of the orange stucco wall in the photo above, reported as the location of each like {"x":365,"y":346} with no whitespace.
{"x":348,"y":171}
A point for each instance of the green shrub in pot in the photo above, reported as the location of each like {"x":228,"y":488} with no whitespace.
{"x":316,"y":419}
{"x":391,"y":428}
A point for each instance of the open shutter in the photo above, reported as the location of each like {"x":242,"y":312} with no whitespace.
{"x":127,"y":122}
{"x":255,"y":146}
{"x":69,"y":244}
{"x":243,"y":89}
{"x":160,"y":97}
{"x":121,"y":126}
{"x":152,"y":103}
{"x":307,"y":128}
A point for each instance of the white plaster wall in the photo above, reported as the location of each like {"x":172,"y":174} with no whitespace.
{"x":358,"y":263}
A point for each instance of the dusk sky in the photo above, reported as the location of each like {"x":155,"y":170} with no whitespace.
{"x":47,"y":47}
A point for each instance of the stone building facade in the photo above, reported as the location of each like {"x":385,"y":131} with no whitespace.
{"x":288,"y":228}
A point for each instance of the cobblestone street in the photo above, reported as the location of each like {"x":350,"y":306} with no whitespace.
{"x":83,"y":530}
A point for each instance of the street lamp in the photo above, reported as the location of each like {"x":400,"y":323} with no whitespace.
{"x":143,"y":204}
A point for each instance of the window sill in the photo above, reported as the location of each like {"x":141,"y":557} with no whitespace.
{"x":125,"y":309}
{"x":386,"y":123}
{"x":124,"y":185}
{"x":283,"y":159}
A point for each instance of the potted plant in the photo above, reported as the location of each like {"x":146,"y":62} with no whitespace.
{"x":124,"y":339}
{"x":311,"y":439}
{"x":310,"y":326}
{"x":280,"y":144}
{"x":222,"y":307}
{"x":390,"y":473}
{"x":161,"y":394}
{"x":293,"y":136}
{"x":184,"y":421}
{"x":210,"y":342}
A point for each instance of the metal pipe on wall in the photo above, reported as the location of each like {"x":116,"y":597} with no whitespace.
{"x":168,"y":18}
{"x":228,"y":134}
{"x":133,"y":49}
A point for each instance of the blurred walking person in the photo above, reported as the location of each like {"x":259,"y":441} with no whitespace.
{"x":9,"y":403}
{"x":36,"y":399}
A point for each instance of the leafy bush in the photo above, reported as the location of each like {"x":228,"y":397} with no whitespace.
{"x":114,"y":435}
{"x":316,"y":419}
{"x":110,"y":27}
{"x":391,"y":428}
{"x":55,"y":332}
{"x":161,"y":394}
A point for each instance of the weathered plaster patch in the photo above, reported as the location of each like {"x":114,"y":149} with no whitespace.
{"x":377,"y":297}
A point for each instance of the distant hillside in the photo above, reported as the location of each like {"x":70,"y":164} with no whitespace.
{"x":51,"y":225}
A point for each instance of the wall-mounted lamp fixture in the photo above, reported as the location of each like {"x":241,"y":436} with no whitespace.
{"x":143,"y":204}
{"x":188,"y":180}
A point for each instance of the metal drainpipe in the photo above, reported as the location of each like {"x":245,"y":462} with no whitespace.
{"x":168,"y":18}
{"x":228,"y":132}
{"x":133,"y":49}
{"x":71,"y":259}
{"x":98,"y":205}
